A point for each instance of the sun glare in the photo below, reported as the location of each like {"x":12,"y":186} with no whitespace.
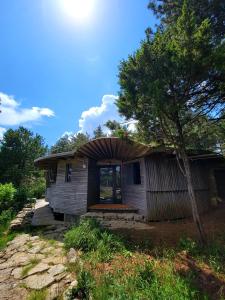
{"x":78,"y":10}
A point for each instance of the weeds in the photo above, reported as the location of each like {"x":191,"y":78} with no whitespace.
{"x":37,"y":295}
{"x":98,"y":244}
{"x":213,"y":253}
{"x":32,"y":263}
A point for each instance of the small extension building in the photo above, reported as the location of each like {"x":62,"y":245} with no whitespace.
{"x":111,"y":174}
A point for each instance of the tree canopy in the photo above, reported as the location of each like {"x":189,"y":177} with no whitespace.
{"x":70,"y":142}
{"x":19,"y":148}
{"x":168,"y":11}
{"x":174,"y":81}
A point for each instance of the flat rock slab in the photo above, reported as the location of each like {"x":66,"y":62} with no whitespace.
{"x":57,"y":269}
{"x":39,"y":268}
{"x":38,"y":282}
{"x":17,"y":273}
{"x":5,"y":274}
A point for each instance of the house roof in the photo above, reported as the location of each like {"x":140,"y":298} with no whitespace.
{"x":112,"y":148}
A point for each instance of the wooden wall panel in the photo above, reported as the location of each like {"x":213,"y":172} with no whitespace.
{"x":70,"y":197}
{"x":134,"y":194}
{"x":166,"y":189}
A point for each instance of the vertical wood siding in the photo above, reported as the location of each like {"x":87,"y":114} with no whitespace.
{"x":70,"y":197}
{"x":134,"y":194}
{"x":166,"y":189}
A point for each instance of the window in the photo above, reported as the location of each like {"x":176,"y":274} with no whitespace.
{"x":68,"y":172}
{"x":51,"y":175}
{"x":136,"y":173}
{"x":133,"y":173}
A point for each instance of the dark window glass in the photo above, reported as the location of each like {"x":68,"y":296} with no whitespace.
{"x":51,"y":175}
{"x":68,"y":172}
{"x":133,"y":173}
{"x":136,"y":173}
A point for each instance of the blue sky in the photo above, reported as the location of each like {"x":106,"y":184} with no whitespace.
{"x":55,"y":71}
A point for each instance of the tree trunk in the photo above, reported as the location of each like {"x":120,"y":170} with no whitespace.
{"x":192,"y":197}
{"x":187,"y":169}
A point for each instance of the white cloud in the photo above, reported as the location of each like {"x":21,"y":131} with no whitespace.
{"x":99,"y":115}
{"x":2,"y":131}
{"x":12,"y":114}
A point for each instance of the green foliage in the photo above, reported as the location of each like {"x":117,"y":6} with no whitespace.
{"x":37,"y":295}
{"x":37,"y":189}
{"x":146,"y":283}
{"x":6,"y":216}
{"x":84,"y":237}
{"x":19,"y":149}
{"x":84,"y":287}
{"x":169,"y":10}
{"x":118,"y":130}
{"x":213,"y":253}
{"x":98,"y":132}
{"x":32,"y":263}
{"x":99,"y":244}
{"x":70,"y":142}
{"x":175,"y":79}
{"x":7,"y":192}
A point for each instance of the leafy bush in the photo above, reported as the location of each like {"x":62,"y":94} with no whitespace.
{"x":6,"y":216}
{"x":84,"y":287}
{"x":90,"y":237}
{"x":20,"y":198}
{"x":7,"y":192}
{"x":36,"y":189}
{"x":84,"y":237}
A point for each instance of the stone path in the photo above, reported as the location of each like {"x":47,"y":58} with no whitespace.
{"x":23,"y":218}
{"x":43,"y":214}
{"x":30,"y":263}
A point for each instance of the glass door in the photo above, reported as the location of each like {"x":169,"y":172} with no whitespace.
{"x":110,"y":184}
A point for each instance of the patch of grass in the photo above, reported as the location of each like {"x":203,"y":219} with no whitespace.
{"x":148,"y":281}
{"x":84,"y":237}
{"x":114,"y":270}
{"x":37,"y":295}
{"x":98,"y":244}
{"x":5,"y":235}
{"x":212,"y":254}
{"x":32,"y":263}
{"x":52,"y":242}
{"x":84,"y":287}
{"x":73,"y":267}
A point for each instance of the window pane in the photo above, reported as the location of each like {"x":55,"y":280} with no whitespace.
{"x":68,"y":172}
{"x":136,"y":173}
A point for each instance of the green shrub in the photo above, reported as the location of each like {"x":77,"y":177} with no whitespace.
{"x":20,"y":198}
{"x":6,"y":216}
{"x":99,"y":244}
{"x":36,"y":189}
{"x":84,"y":237}
{"x":84,"y":287}
{"x":7,"y":192}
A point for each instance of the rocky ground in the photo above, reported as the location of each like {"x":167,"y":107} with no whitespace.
{"x":30,"y":263}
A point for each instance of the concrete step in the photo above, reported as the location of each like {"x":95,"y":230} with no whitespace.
{"x":106,"y":216}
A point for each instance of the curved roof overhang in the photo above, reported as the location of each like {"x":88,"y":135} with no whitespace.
{"x":101,"y":148}
{"x":113,"y":148}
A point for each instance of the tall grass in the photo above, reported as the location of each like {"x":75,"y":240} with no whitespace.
{"x":99,"y":245}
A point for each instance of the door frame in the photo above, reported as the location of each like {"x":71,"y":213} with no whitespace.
{"x":113,"y":166}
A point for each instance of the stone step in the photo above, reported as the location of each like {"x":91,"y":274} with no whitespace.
{"x":105,"y":216}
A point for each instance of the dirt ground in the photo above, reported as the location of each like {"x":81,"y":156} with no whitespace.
{"x":170,"y":232}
